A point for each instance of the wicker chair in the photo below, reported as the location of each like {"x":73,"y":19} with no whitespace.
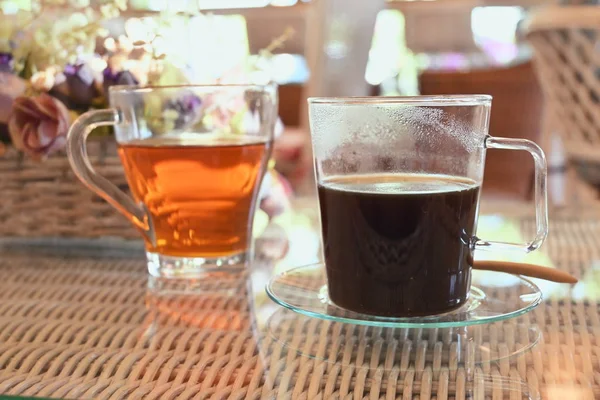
{"x":566,"y":42}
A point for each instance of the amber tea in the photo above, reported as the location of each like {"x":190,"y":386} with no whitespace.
{"x":198,"y":191}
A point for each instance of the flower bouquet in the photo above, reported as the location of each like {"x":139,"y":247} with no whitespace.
{"x":51,"y":71}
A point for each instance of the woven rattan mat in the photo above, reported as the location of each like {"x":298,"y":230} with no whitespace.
{"x":97,"y":327}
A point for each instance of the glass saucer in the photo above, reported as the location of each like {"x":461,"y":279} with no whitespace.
{"x":348,"y":344}
{"x":494,"y":296}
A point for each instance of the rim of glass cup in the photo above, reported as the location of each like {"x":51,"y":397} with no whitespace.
{"x":424,"y":101}
{"x":148,"y":88}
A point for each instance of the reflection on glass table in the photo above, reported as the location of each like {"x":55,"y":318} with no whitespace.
{"x":303,"y":356}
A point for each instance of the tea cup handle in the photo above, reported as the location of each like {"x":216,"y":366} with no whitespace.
{"x":78,"y":158}
{"x":540,"y":197}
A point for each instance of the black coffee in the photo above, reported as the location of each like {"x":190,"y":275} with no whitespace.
{"x":398,"y":245}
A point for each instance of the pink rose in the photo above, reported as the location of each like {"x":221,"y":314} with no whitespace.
{"x":276,"y":194}
{"x":11,"y":87}
{"x":38,"y":125}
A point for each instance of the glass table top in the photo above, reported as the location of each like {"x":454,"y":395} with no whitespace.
{"x":90,"y":323}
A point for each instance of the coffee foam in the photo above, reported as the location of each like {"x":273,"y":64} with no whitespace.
{"x":398,"y":183}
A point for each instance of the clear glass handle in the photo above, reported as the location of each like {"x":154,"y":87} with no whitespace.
{"x":541,"y":195}
{"x":78,"y":158}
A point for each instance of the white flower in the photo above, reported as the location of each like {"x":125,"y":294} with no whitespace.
{"x":76,"y":19}
{"x":79,"y":3}
{"x":43,"y":81}
{"x":109,"y":11}
{"x":121,"y":4}
{"x":10,"y":26}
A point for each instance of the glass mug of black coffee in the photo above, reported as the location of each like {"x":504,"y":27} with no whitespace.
{"x":399,"y":181}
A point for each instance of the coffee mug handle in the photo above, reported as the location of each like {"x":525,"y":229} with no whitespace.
{"x":78,"y":158}
{"x":541,"y":195}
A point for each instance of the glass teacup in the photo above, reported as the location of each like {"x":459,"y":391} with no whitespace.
{"x":194,"y":157}
{"x":399,"y":181}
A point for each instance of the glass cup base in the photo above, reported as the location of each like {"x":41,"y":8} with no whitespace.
{"x":163,"y":266}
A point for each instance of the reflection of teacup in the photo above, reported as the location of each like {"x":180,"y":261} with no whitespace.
{"x":399,"y":234}
{"x":215,"y":303}
{"x":387,"y":349}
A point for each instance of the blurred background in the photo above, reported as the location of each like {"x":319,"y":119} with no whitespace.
{"x":354,"y":47}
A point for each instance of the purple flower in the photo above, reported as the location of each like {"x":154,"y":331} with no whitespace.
{"x":188,"y":108}
{"x":117,"y":78}
{"x":6,"y":62}
{"x":77,"y":90}
{"x":191,"y":102}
